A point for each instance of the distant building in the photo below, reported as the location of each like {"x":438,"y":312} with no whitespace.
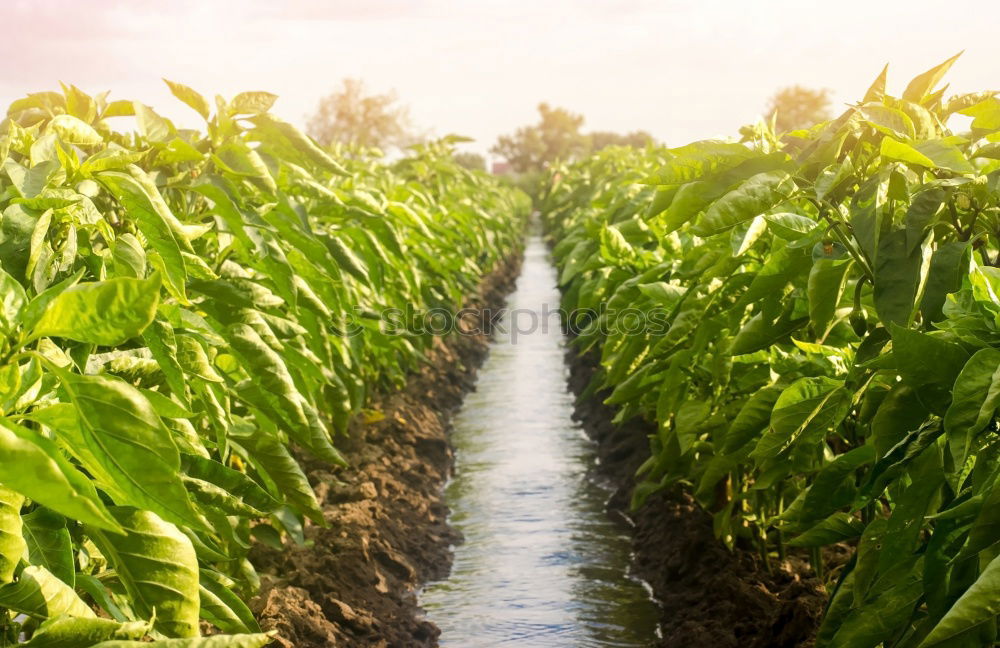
{"x":501,"y":168}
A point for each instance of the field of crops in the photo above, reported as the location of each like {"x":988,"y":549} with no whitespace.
{"x":813,"y":325}
{"x":185,"y":315}
{"x":193,"y":320}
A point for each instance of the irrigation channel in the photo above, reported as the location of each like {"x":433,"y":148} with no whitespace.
{"x":542,"y":563}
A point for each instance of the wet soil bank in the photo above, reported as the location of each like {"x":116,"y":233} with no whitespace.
{"x":710,"y":596}
{"x":355,"y":582}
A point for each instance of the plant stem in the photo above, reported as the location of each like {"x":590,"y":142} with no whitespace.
{"x":816,"y":557}
{"x":824,"y":209}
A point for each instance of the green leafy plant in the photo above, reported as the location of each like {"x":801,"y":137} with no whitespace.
{"x":826,"y":371}
{"x":179,"y":310}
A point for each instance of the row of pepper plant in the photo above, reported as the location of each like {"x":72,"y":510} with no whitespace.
{"x":183,"y":315}
{"x":818,"y":347}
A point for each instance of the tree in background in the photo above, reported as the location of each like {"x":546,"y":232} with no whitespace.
{"x":351,"y":116}
{"x":798,"y":107}
{"x":556,"y":136}
{"x":603,"y":139}
{"x":469,"y":160}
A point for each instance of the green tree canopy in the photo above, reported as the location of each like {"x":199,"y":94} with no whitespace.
{"x":603,"y":139}
{"x":797,"y":107}
{"x":350,"y":115}
{"x":556,"y":136}
{"x":469,"y":160}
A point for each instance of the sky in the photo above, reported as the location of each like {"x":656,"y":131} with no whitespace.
{"x":682,"y":70}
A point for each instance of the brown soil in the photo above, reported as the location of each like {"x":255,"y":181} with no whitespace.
{"x":710,"y":596}
{"x":354,"y":583}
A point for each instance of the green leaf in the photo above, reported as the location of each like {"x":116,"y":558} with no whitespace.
{"x":47,"y":477}
{"x":806,"y":408}
{"x":759,"y":333}
{"x":890,"y":466}
{"x":284,"y":140}
{"x":889,"y":121}
{"x":221,"y":607}
{"x":897,"y":278}
{"x":836,"y":528}
{"x":615,"y":249}
{"x":985,"y":114}
{"x":164,"y":232}
{"x":758,"y":194}
{"x":76,"y":632}
{"x":162,"y":343}
{"x":151,"y":125}
{"x":49,"y":544}
{"x":975,"y":399}
{"x":979,"y":604}
{"x":216,"y":499}
{"x":893,"y":149}
{"x":899,"y":412}
{"x":274,"y":460}
{"x":920,"y":215}
{"x":10,"y":384}
{"x":691,"y":199}
{"x":158,"y":566}
{"x":688,"y":420}
{"x":985,"y":530}
{"x":825,"y":287}
{"x":743,"y":241}
{"x":233,"y":482}
{"x":833,"y":486}
{"x":12,"y":300}
{"x":110,"y":159}
{"x":131,"y":445}
{"x":30,"y":182}
{"x":929,"y":363}
{"x":902,"y":536}
{"x":663,"y":294}
{"x":191,"y":356}
{"x":268,"y":371}
{"x":39,"y":594}
{"x":190,"y":97}
{"x":882,"y":618}
{"x":107,"y":312}
{"x":700,"y":160}
{"x":130,"y":257}
{"x":923,"y":84}
{"x":867,"y":213}
{"x":783,"y":264}
{"x":346,"y":258}
{"x":876,"y":90}
{"x":790,"y":226}
{"x":945,"y":155}
{"x":933,"y":154}
{"x":252,"y":103}
{"x":101,"y":595}
{"x":72,"y":130}
{"x":165,"y":407}
{"x":239,"y":159}
{"x":12,"y":544}
{"x":752,"y":418}
{"x":661,"y":200}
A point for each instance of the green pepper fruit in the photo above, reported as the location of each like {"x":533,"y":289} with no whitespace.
{"x":859,"y":322}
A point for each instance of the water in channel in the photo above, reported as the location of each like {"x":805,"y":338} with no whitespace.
{"x":542,"y":564}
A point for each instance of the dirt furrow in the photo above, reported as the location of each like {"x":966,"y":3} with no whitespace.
{"x":354,"y":583}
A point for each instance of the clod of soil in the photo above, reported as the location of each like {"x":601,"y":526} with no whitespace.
{"x":711,"y":597}
{"x":354,"y":583}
